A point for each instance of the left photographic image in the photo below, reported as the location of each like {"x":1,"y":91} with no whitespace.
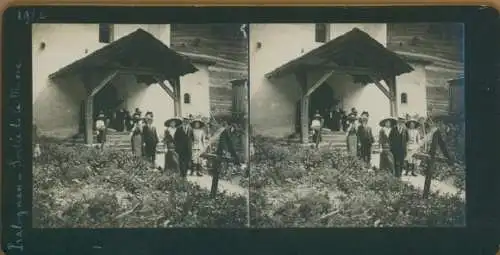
{"x":140,"y":125}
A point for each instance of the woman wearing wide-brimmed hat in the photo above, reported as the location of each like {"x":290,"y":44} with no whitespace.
{"x":386,"y":157}
{"x":316,"y":126}
{"x":199,"y":143}
{"x":100,"y":126}
{"x":352,"y":137}
{"x":413,"y":145}
{"x":171,"y":126}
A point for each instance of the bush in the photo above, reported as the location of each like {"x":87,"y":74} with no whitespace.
{"x":79,"y":186}
{"x":293,"y":186}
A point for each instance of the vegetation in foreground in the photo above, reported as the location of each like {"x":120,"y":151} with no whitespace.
{"x":294,"y":186}
{"x":82,"y":187}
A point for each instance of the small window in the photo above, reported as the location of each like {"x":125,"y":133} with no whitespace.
{"x":404,"y":98}
{"x":105,"y":33}
{"x":322,"y":32}
{"x":187,"y":98}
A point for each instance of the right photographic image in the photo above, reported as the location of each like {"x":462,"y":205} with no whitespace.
{"x":357,"y":125}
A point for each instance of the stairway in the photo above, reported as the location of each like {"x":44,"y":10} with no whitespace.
{"x":336,"y":139}
{"x":114,"y":139}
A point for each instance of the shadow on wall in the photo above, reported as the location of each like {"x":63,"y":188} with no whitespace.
{"x":56,"y":108}
{"x":272,"y":105}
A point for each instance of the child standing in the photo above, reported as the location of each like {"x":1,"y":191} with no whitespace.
{"x":199,"y":142}
{"x":412,"y":146}
{"x":101,"y":127}
{"x":316,"y":126}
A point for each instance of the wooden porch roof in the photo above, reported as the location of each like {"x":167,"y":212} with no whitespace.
{"x":137,"y":53}
{"x":353,"y":49}
{"x":238,"y":82}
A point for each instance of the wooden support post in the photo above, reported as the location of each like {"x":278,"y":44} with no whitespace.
{"x":391,"y":83}
{"x":304,"y":107}
{"x":89,"y":120}
{"x":89,"y":103}
{"x":246,"y":123}
{"x":175,"y":82}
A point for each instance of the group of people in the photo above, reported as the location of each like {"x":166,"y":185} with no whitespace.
{"x":122,"y":119}
{"x":399,"y":140}
{"x":185,"y":139}
{"x":336,"y":119}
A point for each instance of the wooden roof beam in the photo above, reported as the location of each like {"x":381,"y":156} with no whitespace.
{"x":319,"y":82}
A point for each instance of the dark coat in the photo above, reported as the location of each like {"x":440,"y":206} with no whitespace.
{"x":226,"y":144}
{"x":167,"y":137}
{"x":398,"y":141}
{"x":149,"y":135}
{"x":184,"y":141}
{"x":365,"y":135}
{"x":438,"y":140}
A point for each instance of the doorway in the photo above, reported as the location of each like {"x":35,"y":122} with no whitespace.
{"x":106,"y":100}
{"x":321,"y":100}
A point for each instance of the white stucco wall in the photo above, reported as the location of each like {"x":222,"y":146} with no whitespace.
{"x":414,"y":85}
{"x":56,"y":107}
{"x":197,"y":85}
{"x":273,"y":103}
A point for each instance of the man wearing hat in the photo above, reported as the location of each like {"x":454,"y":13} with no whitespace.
{"x":398,"y":139}
{"x":183,"y":139}
{"x":365,"y":139}
{"x":150,"y":139}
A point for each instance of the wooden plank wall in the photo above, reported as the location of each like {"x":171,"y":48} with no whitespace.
{"x":224,"y":43}
{"x":441,"y":40}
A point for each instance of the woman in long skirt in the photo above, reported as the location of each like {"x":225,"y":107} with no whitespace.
{"x":386,"y":157}
{"x":352,"y":137}
{"x":171,"y":157}
{"x":199,"y":142}
{"x":136,"y":139}
{"x":413,"y":145}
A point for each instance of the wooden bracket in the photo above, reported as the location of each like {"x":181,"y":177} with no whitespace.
{"x":103,"y":83}
{"x":380,"y":86}
{"x":319,"y":82}
{"x":165,"y":87}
